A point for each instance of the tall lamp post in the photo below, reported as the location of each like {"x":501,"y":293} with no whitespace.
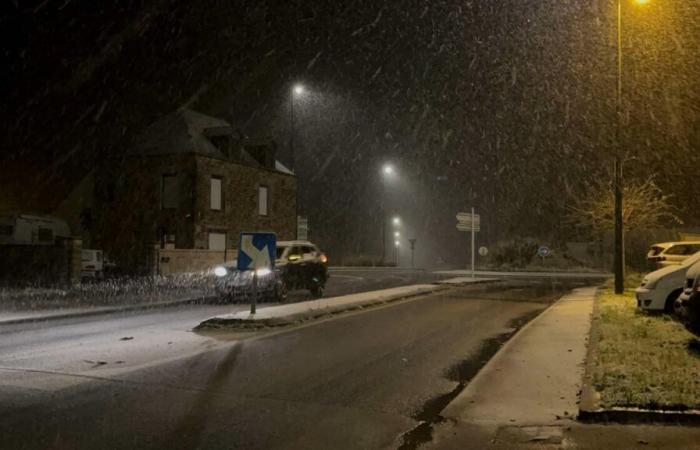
{"x":297,"y":91}
{"x":619,"y":260}
{"x":387,"y":172}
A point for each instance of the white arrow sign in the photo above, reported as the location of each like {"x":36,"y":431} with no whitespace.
{"x":259,"y":258}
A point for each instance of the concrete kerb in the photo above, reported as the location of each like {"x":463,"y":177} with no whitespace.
{"x":308,"y":314}
{"x":325,"y":311}
{"x":590,"y":409}
{"x":106,"y":310}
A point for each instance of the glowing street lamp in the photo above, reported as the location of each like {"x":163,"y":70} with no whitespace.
{"x":388,"y":169}
{"x":396,"y":221}
{"x":397,"y":234}
{"x":619,"y":246}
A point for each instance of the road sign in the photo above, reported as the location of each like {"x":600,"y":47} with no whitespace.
{"x":483,"y":251}
{"x":468,"y":228}
{"x":467,"y":217}
{"x":257,"y":251}
{"x":543,"y":251}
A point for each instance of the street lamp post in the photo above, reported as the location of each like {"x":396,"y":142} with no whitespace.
{"x":387,"y":171}
{"x":619,"y":247}
{"x":619,"y":263}
{"x":297,"y":90}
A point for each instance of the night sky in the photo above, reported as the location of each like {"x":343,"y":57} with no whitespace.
{"x":502,"y":105}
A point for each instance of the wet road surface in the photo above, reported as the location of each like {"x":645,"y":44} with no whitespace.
{"x":361,"y":380}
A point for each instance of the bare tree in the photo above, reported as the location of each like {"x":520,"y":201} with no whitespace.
{"x":645,"y":207}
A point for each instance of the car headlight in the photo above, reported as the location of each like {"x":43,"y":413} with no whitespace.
{"x":649,"y":284}
{"x":220,"y":271}
{"x":263,"y":272}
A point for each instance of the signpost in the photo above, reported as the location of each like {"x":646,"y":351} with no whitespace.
{"x":543,"y":252}
{"x":413,"y":248}
{"x":256,"y":251}
{"x":469,"y":222}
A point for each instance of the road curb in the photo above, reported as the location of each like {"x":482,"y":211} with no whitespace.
{"x":105,"y":311}
{"x":313,"y":314}
{"x":309,"y":315}
{"x":639,"y":415}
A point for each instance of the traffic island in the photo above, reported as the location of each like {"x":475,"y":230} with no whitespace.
{"x":296,"y":313}
{"x":640,"y":367}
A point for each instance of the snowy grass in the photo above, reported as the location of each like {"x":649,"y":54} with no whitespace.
{"x":123,"y":291}
{"x":643,"y":360}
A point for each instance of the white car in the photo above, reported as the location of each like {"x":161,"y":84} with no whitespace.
{"x":660,"y":289}
{"x":672,"y":253}
{"x":691,"y":287}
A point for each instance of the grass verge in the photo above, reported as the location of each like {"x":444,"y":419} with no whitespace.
{"x":642,"y":360}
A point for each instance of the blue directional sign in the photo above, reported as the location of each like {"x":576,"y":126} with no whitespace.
{"x":543,"y":251}
{"x":257,"y":251}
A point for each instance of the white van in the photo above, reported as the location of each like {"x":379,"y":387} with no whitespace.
{"x":660,"y":289}
{"x":26,"y":229}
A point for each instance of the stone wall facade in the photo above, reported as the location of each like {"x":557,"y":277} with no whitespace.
{"x":129,"y":216}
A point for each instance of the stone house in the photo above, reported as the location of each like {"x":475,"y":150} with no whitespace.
{"x":191,"y":182}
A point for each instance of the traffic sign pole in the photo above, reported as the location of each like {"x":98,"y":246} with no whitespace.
{"x":254,"y":301}
{"x":473,"y":233}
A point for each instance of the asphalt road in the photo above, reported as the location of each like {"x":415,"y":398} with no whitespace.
{"x":344,"y":282}
{"x":361,"y":380}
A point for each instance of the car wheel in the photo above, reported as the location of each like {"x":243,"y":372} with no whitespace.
{"x":316,"y":290}
{"x":669,"y":307}
{"x":281,"y":292}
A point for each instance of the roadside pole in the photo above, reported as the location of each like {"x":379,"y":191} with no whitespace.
{"x":253,"y":303}
{"x":470,"y":223}
{"x":473,"y":233}
{"x":413,"y":248}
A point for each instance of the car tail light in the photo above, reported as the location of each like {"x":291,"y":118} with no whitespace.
{"x":324,"y":258}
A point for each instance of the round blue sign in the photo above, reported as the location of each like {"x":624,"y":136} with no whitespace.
{"x":543,"y":251}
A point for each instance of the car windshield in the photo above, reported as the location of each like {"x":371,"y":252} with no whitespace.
{"x":405,"y":186}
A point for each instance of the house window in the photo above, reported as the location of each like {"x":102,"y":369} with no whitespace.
{"x":169,"y":194}
{"x":217,"y":241}
{"x":215,"y":194}
{"x":262,"y":200}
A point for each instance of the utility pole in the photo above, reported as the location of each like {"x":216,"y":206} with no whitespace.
{"x":473,"y":235}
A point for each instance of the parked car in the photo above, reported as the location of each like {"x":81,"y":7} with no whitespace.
{"x":688,"y":303}
{"x":660,"y":289}
{"x":92,"y":264}
{"x":298,"y":265}
{"x":672,"y":253}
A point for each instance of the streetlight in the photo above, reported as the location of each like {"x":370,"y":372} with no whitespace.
{"x":388,"y":171}
{"x":397,"y":234}
{"x":297,"y":91}
{"x":396,"y":221}
{"x":619,"y":259}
